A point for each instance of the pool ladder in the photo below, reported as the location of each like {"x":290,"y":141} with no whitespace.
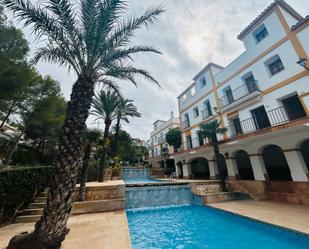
{"x":172,"y":176}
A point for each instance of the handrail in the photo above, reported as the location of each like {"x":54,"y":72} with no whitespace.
{"x":239,"y":93}
{"x":173,"y":175}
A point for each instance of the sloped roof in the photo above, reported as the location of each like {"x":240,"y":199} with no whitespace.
{"x":282,"y":4}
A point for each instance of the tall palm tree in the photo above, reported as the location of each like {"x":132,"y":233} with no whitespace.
{"x":94,"y":39}
{"x":92,"y":137}
{"x":210,"y":131}
{"x":125,"y":109}
{"x":105,"y":107}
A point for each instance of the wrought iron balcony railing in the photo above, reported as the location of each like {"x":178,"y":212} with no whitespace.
{"x":206,"y":113}
{"x":271,"y":118}
{"x":186,"y":124}
{"x":239,"y":93}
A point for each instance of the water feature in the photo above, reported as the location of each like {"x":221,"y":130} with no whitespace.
{"x":157,"y":195}
{"x":131,"y":173}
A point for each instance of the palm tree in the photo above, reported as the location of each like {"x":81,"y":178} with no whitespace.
{"x":92,"y":137}
{"x":94,"y":39}
{"x":210,"y":131}
{"x":105,"y":107}
{"x":125,"y":110}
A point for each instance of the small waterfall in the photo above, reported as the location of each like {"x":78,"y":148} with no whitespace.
{"x":158,"y":195}
{"x":130,"y":173}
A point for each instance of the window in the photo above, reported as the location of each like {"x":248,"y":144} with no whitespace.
{"x":184,"y":98}
{"x":195,"y":112}
{"x":260,"y":33}
{"x":207,"y":111}
{"x":203,"y":82}
{"x":274,"y":65}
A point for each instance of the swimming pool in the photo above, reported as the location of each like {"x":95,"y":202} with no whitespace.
{"x":201,"y":227}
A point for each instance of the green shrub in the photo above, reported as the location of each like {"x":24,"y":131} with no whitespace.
{"x":18,"y":185}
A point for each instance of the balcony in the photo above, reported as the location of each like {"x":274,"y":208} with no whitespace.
{"x":272,"y":118}
{"x":240,"y":95}
{"x":194,"y":143}
{"x":206,"y":113}
{"x":186,"y":124}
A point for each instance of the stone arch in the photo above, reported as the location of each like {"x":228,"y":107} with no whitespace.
{"x":304,"y":150}
{"x":199,"y":168}
{"x":244,"y":165}
{"x":275,"y":163}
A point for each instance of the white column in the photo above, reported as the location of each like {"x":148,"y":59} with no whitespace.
{"x":258,"y":167}
{"x":297,"y":165}
{"x":232,"y":168}
{"x":177,"y":170}
{"x":213,"y":169}
{"x":186,"y":170}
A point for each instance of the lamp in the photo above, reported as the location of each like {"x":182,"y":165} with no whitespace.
{"x":226,"y":154}
{"x":303,"y":63}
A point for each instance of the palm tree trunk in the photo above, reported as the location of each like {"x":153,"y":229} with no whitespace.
{"x":51,"y":229}
{"x":215,"y":145}
{"x":103,"y":154}
{"x":83,"y":175}
{"x":115,"y":149}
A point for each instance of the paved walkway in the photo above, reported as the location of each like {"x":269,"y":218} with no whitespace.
{"x":99,"y":231}
{"x":291,"y":216}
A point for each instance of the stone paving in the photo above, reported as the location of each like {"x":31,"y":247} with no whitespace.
{"x":291,"y":216}
{"x":107,"y":230}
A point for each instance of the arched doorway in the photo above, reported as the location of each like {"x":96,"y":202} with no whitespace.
{"x":179,"y":169}
{"x":304,"y":149}
{"x":169,"y":166}
{"x":200,"y":168}
{"x":223,"y":169}
{"x":244,"y":165}
{"x":276,"y":165}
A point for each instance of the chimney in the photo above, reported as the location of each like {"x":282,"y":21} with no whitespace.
{"x":172,"y":114}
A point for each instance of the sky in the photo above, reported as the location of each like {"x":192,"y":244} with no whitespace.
{"x":190,"y":34}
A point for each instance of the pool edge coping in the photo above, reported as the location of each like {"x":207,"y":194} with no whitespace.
{"x":280,"y":227}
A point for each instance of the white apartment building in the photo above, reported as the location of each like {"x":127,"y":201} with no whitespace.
{"x":261,"y":97}
{"x":159,"y":149}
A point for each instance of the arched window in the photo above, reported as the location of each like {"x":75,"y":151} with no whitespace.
{"x":244,"y":165}
{"x":276,"y":165}
{"x":200,"y":168}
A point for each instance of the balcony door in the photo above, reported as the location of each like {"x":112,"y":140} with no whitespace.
{"x":293,"y":107}
{"x":229,"y":95}
{"x":237,"y":126}
{"x":260,"y":117}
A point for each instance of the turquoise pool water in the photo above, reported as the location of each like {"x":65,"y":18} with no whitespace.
{"x":197,"y":227}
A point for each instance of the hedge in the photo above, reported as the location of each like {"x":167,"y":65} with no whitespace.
{"x":18,"y":186}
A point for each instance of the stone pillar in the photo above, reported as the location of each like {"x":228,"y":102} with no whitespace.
{"x":232,"y":168}
{"x":258,"y":167}
{"x":297,"y":165}
{"x":186,"y":170}
{"x":177,"y":170}
{"x":213,"y":169}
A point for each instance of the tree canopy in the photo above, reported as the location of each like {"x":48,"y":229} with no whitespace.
{"x":173,"y":137}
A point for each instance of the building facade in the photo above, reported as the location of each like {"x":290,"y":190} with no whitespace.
{"x":159,"y":150}
{"x":262,"y":99}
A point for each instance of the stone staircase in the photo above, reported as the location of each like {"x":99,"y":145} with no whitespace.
{"x":34,"y":210}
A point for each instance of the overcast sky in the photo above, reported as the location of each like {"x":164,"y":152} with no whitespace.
{"x":191,"y":33}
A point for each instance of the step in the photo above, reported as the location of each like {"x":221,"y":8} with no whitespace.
{"x":43,"y":194}
{"x":31,"y":211}
{"x":27,"y":218}
{"x":300,"y":199}
{"x":223,"y":196}
{"x":36,"y":205}
{"x":40,"y":199}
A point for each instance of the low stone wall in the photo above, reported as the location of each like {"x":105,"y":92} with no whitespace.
{"x":203,"y":188}
{"x":101,"y":197}
{"x":282,"y":191}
